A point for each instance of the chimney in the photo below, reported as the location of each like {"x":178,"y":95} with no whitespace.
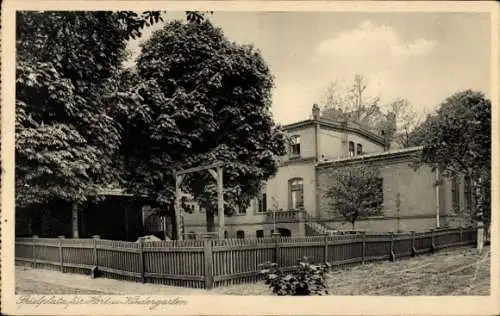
{"x":315,"y":112}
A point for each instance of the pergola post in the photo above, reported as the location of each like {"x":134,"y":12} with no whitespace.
{"x":220,"y":201}
{"x":177,"y":206}
{"x":217,"y":174}
{"x":74,"y":220}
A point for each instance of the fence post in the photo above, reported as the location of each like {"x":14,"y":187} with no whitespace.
{"x":141,"y":259}
{"x":95,"y":261}
{"x":433,"y":245}
{"x":208,"y":255}
{"x":460,"y":235}
{"x":392,"y":254}
{"x":35,"y":237}
{"x":480,"y":236}
{"x":325,"y":252}
{"x":413,"y":245}
{"x":363,"y":236}
{"x":61,"y":262}
{"x":277,"y":257}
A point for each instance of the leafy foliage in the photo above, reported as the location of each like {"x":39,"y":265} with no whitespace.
{"x":306,"y":279}
{"x":394,"y":120}
{"x":197,"y":98}
{"x":66,"y":141}
{"x":457,"y":139}
{"x":355,"y":191}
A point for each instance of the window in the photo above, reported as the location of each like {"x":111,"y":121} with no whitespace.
{"x":375,"y":198}
{"x":455,"y":194}
{"x":351,"y":149}
{"x":296,"y":194}
{"x":150,"y":220}
{"x":260,"y":233}
{"x":240,"y":234}
{"x":226,"y":234}
{"x":242,"y":210}
{"x":295,"y":146}
{"x":262,"y":206}
{"x":284,"y":232}
{"x":468,"y":192}
{"x":191,"y":235}
{"x":359,"y":149}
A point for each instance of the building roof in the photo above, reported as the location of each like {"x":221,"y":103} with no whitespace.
{"x":391,"y":154}
{"x":339,"y":126}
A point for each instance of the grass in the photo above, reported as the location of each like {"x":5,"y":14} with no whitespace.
{"x":452,"y":272}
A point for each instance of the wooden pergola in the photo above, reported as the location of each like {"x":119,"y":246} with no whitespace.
{"x":216,"y":170}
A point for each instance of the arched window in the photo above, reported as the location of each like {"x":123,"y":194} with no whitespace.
{"x":359,"y":149}
{"x":296,"y":194}
{"x":468,"y":192}
{"x":191,"y":235}
{"x":455,"y":193}
{"x":240,"y":234}
{"x":285,"y":232}
{"x":351,"y":149}
{"x":295,"y":146}
{"x":259,"y":233}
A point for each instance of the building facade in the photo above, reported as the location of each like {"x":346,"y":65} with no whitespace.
{"x":294,"y":203}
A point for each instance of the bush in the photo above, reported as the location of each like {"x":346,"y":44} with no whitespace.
{"x":305,"y":279}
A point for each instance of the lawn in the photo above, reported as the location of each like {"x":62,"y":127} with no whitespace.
{"x":452,"y":272}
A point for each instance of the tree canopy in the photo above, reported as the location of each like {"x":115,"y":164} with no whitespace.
{"x":457,"y":139}
{"x":66,"y":135}
{"x":355,"y":191}
{"x":394,"y":120}
{"x":199,"y":98}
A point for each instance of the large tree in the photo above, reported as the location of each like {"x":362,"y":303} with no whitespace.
{"x":355,"y":191}
{"x":200,"y":99}
{"x":65,"y":140}
{"x":351,"y":102}
{"x":457,"y":140}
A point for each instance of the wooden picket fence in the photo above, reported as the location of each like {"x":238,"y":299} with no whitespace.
{"x":211,"y":263}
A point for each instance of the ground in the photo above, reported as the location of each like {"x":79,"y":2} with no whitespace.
{"x":452,"y":272}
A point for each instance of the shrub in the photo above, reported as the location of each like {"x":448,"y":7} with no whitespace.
{"x":305,"y":279}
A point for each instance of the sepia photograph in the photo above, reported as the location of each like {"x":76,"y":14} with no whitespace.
{"x":249,"y":154}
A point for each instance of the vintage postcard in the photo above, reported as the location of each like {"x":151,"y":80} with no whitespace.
{"x":220,"y":158}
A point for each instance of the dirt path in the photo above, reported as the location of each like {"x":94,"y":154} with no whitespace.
{"x":452,"y":272}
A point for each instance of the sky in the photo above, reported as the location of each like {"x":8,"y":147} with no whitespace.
{"x":423,"y":57}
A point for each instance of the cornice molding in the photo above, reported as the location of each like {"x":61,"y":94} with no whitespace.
{"x":296,"y":161}
{"x":337,"y":126}
{"x":389,"y":157}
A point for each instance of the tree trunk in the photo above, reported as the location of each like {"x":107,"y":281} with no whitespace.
{"x":210,"y":221}
{"x":173,"y":221}
{"x":30,"y":227}
{"x":74,"y":220}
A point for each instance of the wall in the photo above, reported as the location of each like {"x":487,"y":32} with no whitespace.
{"x":307,"y":147}
{"x":388,"y":224}
{"x":277,"y":187}
{"x":330,"y":144}
{"x":416,"y":189}
{"x":369,"y":146}
{"x":250,"y":229}
{"x":462,"y":215}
